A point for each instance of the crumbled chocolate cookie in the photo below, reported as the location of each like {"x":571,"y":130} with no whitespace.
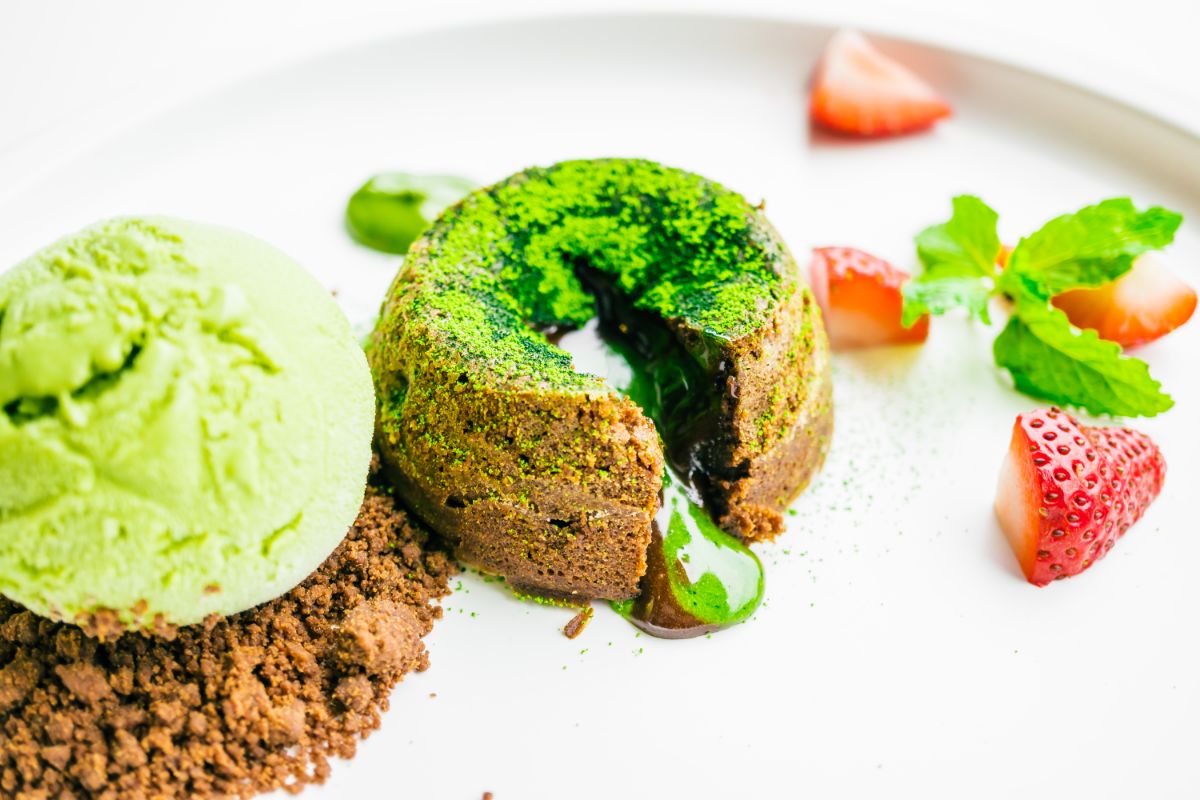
{"x":578,"y":622}
{"x":231,"y":708}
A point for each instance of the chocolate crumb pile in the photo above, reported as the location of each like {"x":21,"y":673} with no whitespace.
{"x":231,"y":708}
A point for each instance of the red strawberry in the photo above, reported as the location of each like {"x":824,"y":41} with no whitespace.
{"x":860,"y":299}
{"x":860,"y":91}
{"x":1145,"y":303}
{"x":1067,"y":491}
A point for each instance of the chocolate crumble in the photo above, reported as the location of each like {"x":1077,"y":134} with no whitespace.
{"x":231,"y":708}
{"x":578,"y":622}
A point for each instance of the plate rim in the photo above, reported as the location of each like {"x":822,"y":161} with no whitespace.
{"x":34,"y":156}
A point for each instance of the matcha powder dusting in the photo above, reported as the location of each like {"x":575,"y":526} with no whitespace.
{"x":247,"y":704}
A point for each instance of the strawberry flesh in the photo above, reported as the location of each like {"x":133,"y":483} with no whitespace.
{"x":860,"y":299}
{"x":1142,"y":305}
{"x":1002,"y":256}
{"x":859,"y":91}
{"x":1068,"y":491}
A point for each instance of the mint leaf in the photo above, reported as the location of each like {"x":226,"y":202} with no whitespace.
{"x":964,"y":246}
{"x":1091,"y":247}
{"x":943,"y":294}
{"x":958,"y":260}
{"x":1047,"y":357}
{"x":1052,"y":360}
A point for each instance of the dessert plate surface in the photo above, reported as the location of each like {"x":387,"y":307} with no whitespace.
{"x":898,"y":651}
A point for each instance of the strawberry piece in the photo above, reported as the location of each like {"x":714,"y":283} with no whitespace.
{"x":1002,"y":256}
{"x":1145,"y":303}
{"x":858,"y":90}
{"x":1067,"y":491}
{"x":860,"y":299}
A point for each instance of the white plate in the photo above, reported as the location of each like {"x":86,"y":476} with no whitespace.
{"x":898,"y":652}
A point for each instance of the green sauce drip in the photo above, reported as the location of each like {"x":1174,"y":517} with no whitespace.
{"x":714,"y":576}
{"x":699,"y":578}
{"x":391,"y":210}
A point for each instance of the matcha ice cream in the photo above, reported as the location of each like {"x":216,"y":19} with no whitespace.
{"x":185,"y":424}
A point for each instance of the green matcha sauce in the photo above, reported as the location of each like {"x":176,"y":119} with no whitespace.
{"x":699,"y":579}
{"x":391,"y":210}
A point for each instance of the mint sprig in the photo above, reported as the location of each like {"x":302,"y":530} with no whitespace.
{"x":1091,"y":247}
{"x":959,"y":260}
{"x":1048,"y":357}
{"x":943,"y":294}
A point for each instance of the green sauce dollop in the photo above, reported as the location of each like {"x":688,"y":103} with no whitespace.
{"x":391,"y":210}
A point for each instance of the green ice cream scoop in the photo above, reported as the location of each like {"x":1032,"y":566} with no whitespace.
{"x":185,"y":424}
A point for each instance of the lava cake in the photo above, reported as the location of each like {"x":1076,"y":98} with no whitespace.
{"x":544,"y":474}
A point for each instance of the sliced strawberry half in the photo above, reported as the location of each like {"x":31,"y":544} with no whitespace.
{"x":1145,"y":303}
{"x":1002,"y":256}
{"x":1067,"y":491}
{"x":858,"y":90}
{"x":860,"y":299}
